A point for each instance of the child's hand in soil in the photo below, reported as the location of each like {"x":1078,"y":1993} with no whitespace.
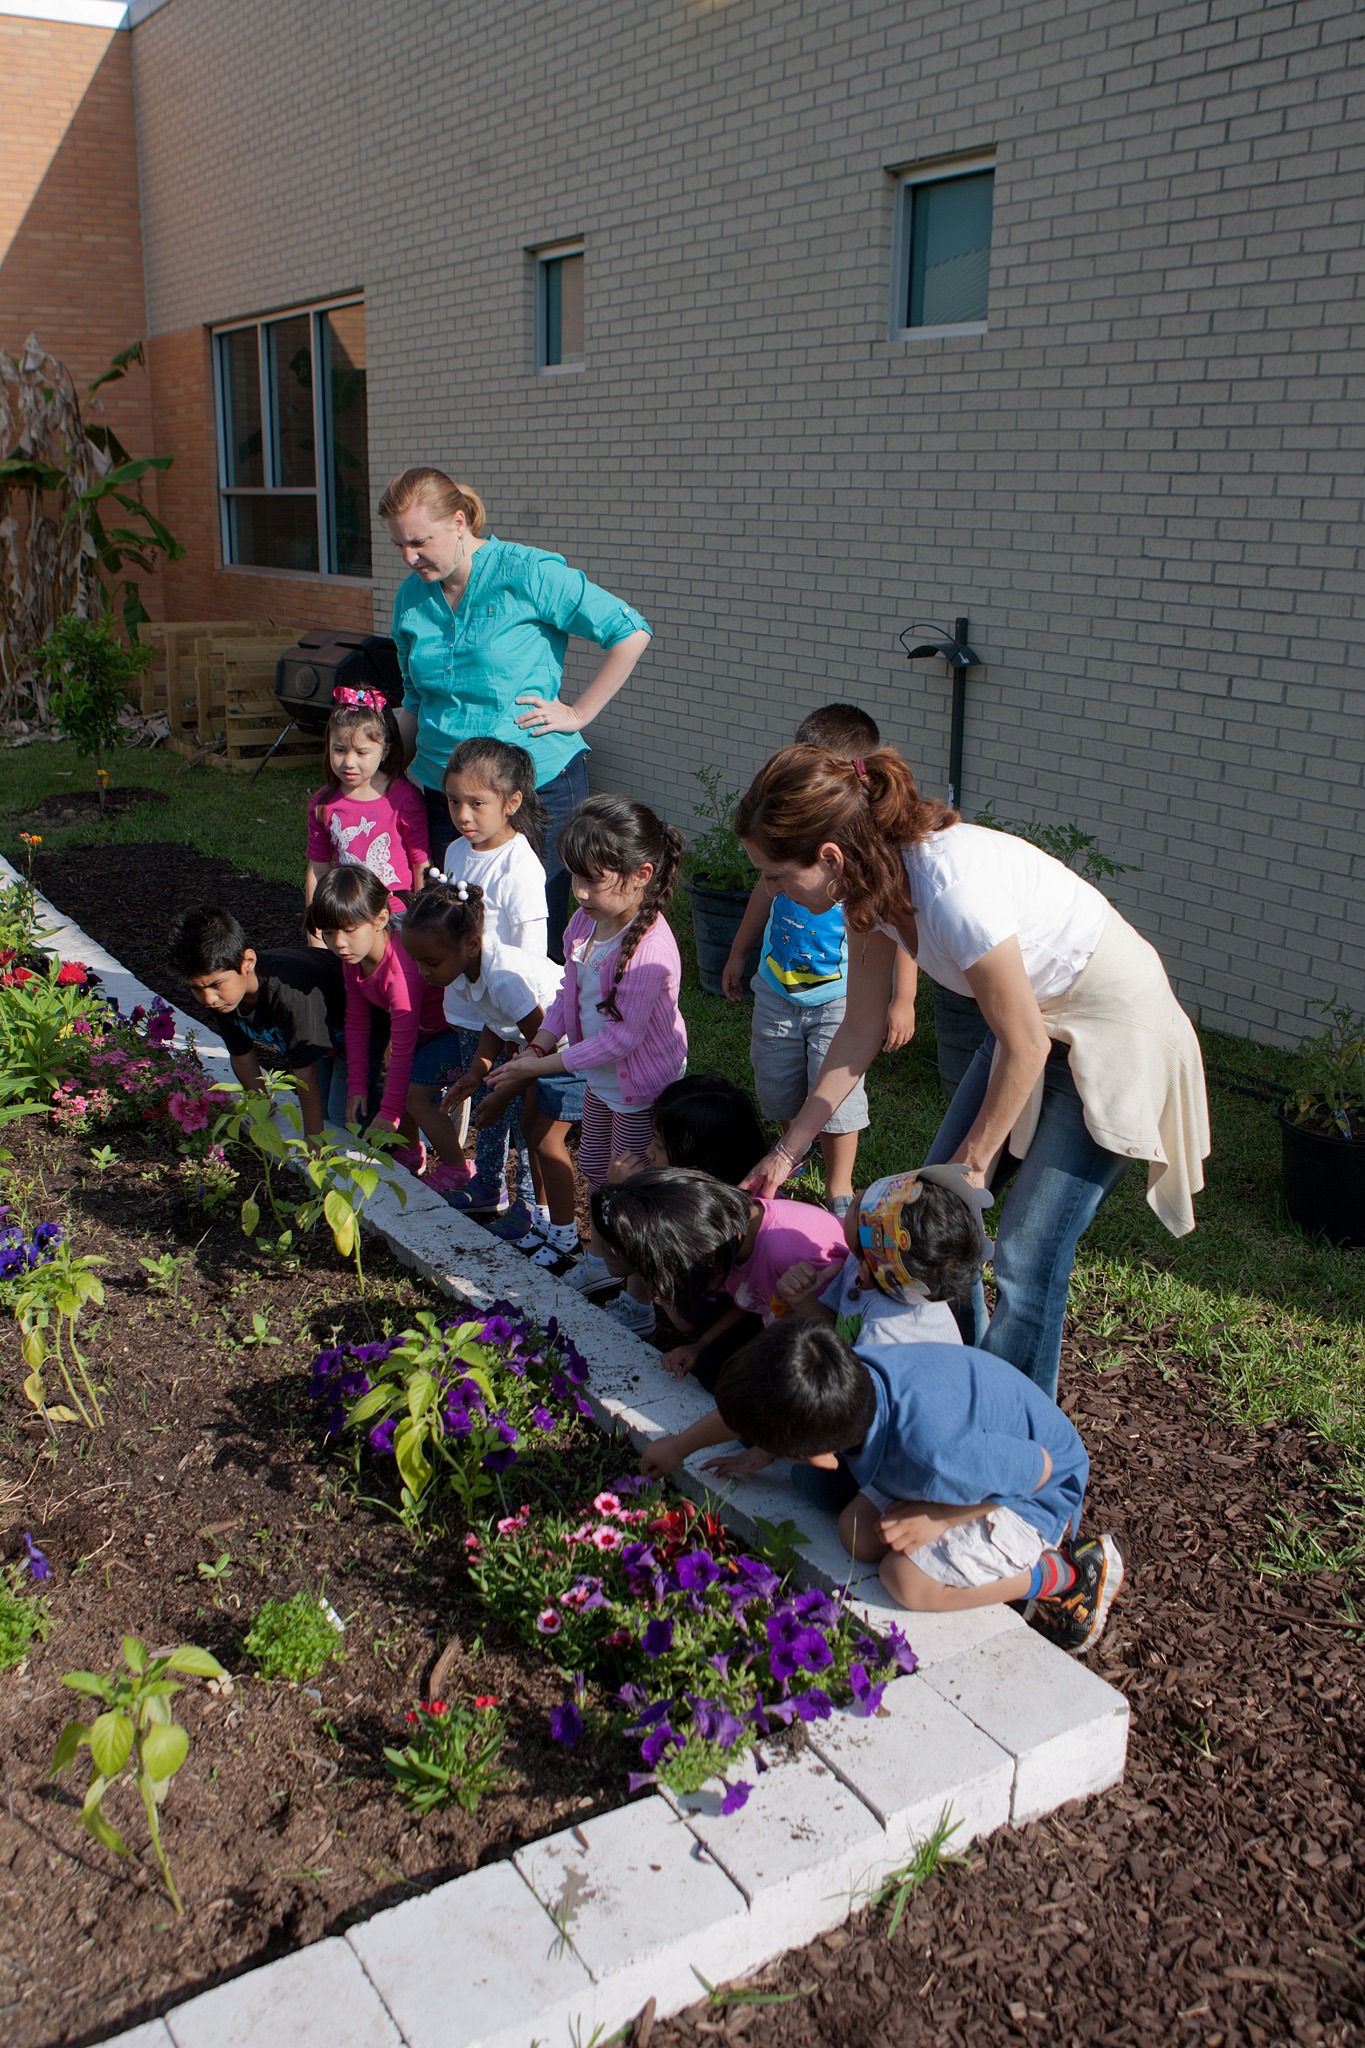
{"x":680,"y":1360}
{"x":740,"y":1464}
{"x":661,"y":1457}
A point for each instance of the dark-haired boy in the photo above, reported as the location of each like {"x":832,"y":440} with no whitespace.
{"x":802,"y":984}
{"x":282,"y":1011}
{"x":952,"y":1472}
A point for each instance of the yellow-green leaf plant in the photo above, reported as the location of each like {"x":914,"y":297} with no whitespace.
{"x":135,"y":1731}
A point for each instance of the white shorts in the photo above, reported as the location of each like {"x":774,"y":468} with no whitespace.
{"x":997,"y":1545}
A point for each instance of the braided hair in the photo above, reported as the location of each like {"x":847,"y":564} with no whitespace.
{"x":451,"y":910}
{"x":614,"y":835}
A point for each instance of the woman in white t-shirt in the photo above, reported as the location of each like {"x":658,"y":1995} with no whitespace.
{"x":490,"y":789}
{"x":1090,"y":1061}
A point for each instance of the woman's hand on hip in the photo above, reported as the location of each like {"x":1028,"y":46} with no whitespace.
{"x":548,"y":714}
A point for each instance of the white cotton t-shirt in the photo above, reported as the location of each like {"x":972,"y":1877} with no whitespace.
{"x":869,"y":1319}
{"x":514,"y":908}
{"x":511,"y":983}
{"x":605,"y":1082}
{"x":972,"y":887}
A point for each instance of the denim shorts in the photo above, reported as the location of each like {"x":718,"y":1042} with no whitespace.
{"x":436,"y":1057}
{"x":560,"y":1097}
{"x":787,"y":1047}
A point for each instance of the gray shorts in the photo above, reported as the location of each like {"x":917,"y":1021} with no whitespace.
{"x":787,"y":1047}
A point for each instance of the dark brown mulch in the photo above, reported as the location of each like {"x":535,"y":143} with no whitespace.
{"x":282,"y":1826}
{"x":82,"y":806}
{"x":125,"y":897}
{"x":1216,"y":1896}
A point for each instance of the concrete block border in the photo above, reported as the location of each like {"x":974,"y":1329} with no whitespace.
{"x":567,"y":1940}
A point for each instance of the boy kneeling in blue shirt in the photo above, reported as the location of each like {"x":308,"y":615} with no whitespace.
{"x":951,"y":1471}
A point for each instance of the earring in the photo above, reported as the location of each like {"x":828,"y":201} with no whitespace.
{"x":831,"y":892}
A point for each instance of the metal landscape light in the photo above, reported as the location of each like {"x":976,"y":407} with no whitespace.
{"x":952,"y":648}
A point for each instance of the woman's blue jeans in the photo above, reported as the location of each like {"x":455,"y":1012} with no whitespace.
{"x":561,"y":797}
{"x":1052,"y":1200}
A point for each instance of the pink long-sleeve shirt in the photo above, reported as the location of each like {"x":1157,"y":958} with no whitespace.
{"x":416,"y":1011}
{"x":648,"y":1047}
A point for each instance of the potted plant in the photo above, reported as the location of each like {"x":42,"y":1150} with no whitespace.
{"x":1322,"y":1130}
{"x":720,"y":879}
{"x":91,"y":675}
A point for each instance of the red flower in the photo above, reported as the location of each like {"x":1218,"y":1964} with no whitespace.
{"x":16,"y":975}
{"x":485,"y":1699}
{"x":438,"y":1707}
{"x":71,"y":975}
{"x":411,"y":1716}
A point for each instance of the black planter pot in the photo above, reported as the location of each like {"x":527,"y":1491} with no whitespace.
{"x":716,"y":917}
{"x":1324,"y":1183}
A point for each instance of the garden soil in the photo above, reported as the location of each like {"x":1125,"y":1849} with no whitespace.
{"x":1214,"y":1898}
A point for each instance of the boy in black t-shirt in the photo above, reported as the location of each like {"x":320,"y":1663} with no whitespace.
{"x":282,"y":1011}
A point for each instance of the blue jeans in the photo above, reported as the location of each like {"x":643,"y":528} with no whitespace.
{"x":1053,"y":1199}
{"x":561,"y":797}
{"x":492,"y":1145}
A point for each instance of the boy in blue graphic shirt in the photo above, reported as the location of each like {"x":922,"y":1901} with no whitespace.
{"x":802,"y":981}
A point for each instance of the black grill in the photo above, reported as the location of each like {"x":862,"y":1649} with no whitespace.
{"x":324,"y":661}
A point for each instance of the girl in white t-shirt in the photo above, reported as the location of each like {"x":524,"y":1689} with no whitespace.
{"x":491,"y":791}
{"x":1090,"y":1061}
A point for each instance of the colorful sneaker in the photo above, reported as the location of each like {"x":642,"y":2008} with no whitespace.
{"x":444,"y":1180}
{"x":638,"y":1316}
{"x":516,"y":1224}
{"x":413,"y":1157}
{"x":472,"y":1198}
{"x":1073,"y":1620}
{"x":590,"y":1275}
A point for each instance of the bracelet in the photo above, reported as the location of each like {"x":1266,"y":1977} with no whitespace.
{"x":794,"y":1160}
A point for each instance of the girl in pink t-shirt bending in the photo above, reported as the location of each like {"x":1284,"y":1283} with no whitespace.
{"x":368,"y":815}
{"x":687,"y":1234}
{"x":350,"y":913}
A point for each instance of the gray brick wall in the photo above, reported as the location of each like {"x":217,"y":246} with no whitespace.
{"x":1142,"y":484}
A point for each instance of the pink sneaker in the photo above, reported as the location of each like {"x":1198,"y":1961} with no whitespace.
{"x":445,"y":1180}
{"x":413,"y":1157}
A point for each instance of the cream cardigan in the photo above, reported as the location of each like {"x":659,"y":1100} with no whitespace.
{"x":1135,"y":1059}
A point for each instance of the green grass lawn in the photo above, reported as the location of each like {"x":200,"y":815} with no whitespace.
{"x":1277,"y":1322}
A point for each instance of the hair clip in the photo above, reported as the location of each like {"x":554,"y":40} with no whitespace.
{"x":365,"y":700}
{"x":462,"y":891}
{"x":435,"y":874}
{"x":860,"y":770}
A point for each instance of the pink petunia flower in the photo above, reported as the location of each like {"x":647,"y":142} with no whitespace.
{"x":607,"y":1504}
{"x":548,"y":1622}
{"x":606,"y":1538}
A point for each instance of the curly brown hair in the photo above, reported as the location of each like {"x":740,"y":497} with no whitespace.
{"x":806,"y":798}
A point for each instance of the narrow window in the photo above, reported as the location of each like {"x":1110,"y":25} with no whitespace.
{"x":942,"y":269}
{"x":559,"y":308}
{"x":294,"y":456}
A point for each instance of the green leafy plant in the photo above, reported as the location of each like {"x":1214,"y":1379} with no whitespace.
{"x":135,"y":1731}
{"x":898,"y":1887}
{"x":20,"y":933}
{"x":43,"y":1025}
{"x":63,"y":480}
{"x":1329,"y":1095}
{"x":23,"y":1617}
{"x":90,"y":675}
{"x":780,"y":1544}
{"x":1066,"y":843}
{"x":295,"y":1639}
{"x":48,"y":1303}
{"x":453,"y":1757}
{"x":165,"y":1273}
{"x":716,"y":856}
{"x":102,"y":1157}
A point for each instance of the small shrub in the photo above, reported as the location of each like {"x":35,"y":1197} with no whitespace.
{"x":1065,"y":842}
{"x":716,"y":856}
{"x":23,"y":1617}
{"x":1330,"y":1094}
{"x":294,"y":1639}
{"x":452,"y":1758}
{"x":91,"y":675}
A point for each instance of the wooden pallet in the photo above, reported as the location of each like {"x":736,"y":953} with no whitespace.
{"x":171,"y":683}
{"x":253,"y":719}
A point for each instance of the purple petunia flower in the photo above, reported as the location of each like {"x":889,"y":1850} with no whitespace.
{"x":658,"y":1637}
{"x":736,"y":1795}
{"x":657,"y":1743}
{"x":815,"y":1705}
{"x":566,"y":1724}
{"x":499,"y":1461}
{"x":714,"y":1722}
{"x":637,"y":1780}
{"x":37,"y":1563}
{"x":696,"y":1570}
{"x":381,"y":1436}
{"x":867,"y":1695}
{"x":543,"y":1419}
{"x":902,"y":1655}
{"x":497,"y":1330}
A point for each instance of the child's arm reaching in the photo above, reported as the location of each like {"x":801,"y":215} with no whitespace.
{"x":666,"y":1453}
{"x":800,"y":1288}
{"x":750,"y":930}
{"x":681,"y":1359}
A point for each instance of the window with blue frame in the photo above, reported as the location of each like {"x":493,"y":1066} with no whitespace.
{"x":943,"y":262}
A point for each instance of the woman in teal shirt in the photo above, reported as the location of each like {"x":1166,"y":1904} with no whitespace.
{"x":482,"y":626}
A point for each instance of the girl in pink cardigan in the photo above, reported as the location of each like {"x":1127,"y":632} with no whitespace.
{"x":617,"y":1014}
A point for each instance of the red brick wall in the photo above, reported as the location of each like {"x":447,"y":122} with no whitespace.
{"x":199,"y":587}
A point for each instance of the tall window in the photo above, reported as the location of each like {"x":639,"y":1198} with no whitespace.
{"x":294,"y":464}
{"x":559,"y":307}
{"x":943,"y":252}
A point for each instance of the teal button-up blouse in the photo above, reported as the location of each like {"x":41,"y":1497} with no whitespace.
{"x":463,"y":670}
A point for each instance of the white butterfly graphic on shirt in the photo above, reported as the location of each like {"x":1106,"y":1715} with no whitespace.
{"x":376,"y":855}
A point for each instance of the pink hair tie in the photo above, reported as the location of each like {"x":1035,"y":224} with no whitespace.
{"x":860,"y":770}
{"x":366,"y":700}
